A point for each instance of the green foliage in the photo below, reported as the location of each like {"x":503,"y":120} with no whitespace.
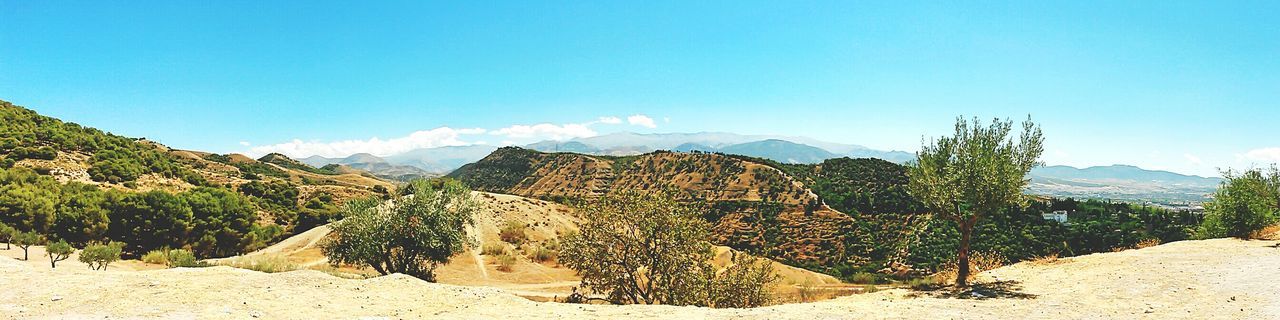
{"x":513,"y":232}
{"x":6,"y":235}
{"x":25,"y":240}
{"x":221,"y":221}
{"x":58,"y":251}
{"x":1244,"y":204}
{"x":98,"y":256}
{"x":151,"y":220}
{"x":269,"y":263}
{"x":647,"y":248}
{"x":978,"y":172}
{"x":173,"y":258}
{"x":744,"y":284}
{"x":286,"y":162}
{"x":501,"y":170}
{"x":277,"y":196}
{"x":42,"y":152}
{"x":410,"y":234}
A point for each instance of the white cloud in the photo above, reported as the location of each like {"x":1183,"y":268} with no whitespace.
{"x":642,"y":120}
{"x":546,"y":131}
{"x":438,"y":137}
{"x":609,"y":120}
{"x":1264,"y":154}
{"x":1193,"y":159}
{"x":442,"y":137}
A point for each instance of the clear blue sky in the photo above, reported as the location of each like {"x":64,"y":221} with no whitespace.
{"x":1178,"y":85}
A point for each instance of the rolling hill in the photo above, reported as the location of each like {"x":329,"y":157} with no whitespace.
{"x":1121,"y":182}
{"x":753,"y":204}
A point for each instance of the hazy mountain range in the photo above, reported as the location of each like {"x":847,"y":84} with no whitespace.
{"x":1119,"y":182}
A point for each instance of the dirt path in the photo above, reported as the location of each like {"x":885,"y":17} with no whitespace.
{"x":1214,"y":279}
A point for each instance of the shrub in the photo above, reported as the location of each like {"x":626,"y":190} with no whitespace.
{"x":98,"y":256}
{"x":667,"y":244}
{"x":269,"y":263}
{"x":181,"y":258}
{"x":494,"y":249}
{"x":411,"y":234}
{"x":541,"y":254}
{"x":513,"y":233}
{"x":864,"y":278}
{"x":173,"y":258}
{"x":506,"y":262}
{"x":25,"y":240}
{"x":157,"y":256}
{"x":1243,"y":205}
{"x":744,"y":284}
{"x":58,"y":251}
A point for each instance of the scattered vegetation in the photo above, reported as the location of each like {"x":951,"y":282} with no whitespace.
{"x":99,"y":256}
{"x":506,"y":262}
{"x":494,"y":249}
{"x":411,"y":234}
{"x":647,"y":248}
{"x":24,"y":241}
{"x":269,"y":263}
{"x":1245,"y":204}
{"x":58,"y":251}
{"x":979,"y":261}
{"x":514,"y":233}
{"x":173,"y":258}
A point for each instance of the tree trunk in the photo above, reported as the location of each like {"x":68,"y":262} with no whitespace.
{"x":53,"y":264}
{"x":962,"y":260}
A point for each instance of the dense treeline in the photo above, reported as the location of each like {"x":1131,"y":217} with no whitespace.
{"x":210,"y":221}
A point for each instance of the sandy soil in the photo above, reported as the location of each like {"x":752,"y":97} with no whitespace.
{"x":1218,"y":279}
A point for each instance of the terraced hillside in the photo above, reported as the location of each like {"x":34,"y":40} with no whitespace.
{"x":753,"y":207}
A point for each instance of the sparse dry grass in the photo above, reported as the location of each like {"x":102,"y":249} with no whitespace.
{"x":514,"y":233}
{"x":1271,"y":232}
{"x":1049,"y":259}
{"x":979,"y":261}
{"x":269,"y":263}
{"x":506,"y":262}
{"x":494,"y":249}
{"x":1147,"y":243}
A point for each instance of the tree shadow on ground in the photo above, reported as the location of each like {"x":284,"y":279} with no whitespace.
{"x":1007,"y":289}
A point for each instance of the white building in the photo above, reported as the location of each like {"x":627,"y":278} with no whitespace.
{"x":1060,"y":216}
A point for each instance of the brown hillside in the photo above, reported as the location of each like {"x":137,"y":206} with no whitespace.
{"x":753,"y":207}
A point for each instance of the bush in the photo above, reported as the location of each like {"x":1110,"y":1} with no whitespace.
{"x":667,"y":243}
{"x":541,"y":254}
{"x":494,"y":249}
{"x":158,"y":256}
{"x":58,"y":251}
{"x":418,"y":232}
{"x":269,"y":263}
{"x":98,"y":256}
{"x":181,"y":258}
{"x":1243,"y":205}
{"x":173,"y":258}
{"x":864,"y":278}
{"x":513,"y":233}
{"x":506,"y":262}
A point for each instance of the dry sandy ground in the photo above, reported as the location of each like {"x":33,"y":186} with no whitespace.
{"x":1214,"y":279}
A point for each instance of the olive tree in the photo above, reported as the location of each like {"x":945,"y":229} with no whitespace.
{"x":975,"y":173}
{"x":58,"y":251}
{"x":6,"y":235}
{"x":410,"y":234}
{"x":648,"y":248}
{"x":98,"y":256}
{"x":25,"y":240}
{"x":1244,"y":204}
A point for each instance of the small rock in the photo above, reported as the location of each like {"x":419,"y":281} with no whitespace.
{"x":56,"y":298}
{"x":255,"y":314}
